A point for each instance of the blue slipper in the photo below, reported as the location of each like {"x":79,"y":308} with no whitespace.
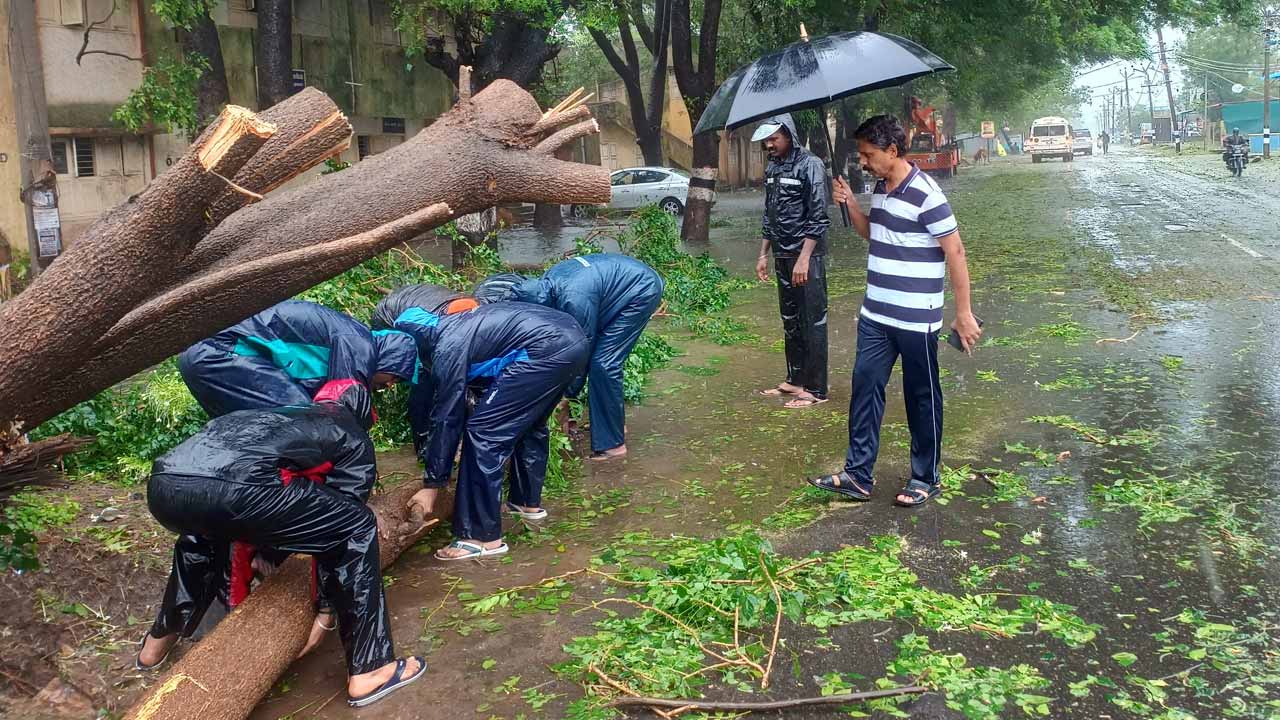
{"x":845,"y":484}
{"x":920,"y":493}
{"x":395,"y":683}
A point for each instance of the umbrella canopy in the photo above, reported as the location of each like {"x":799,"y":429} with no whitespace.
{"x":810,"y":73}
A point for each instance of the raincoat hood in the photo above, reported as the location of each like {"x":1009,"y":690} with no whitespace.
{"x":352,"y":396}
{"x":770,"y":126}
{"x":397,"y":353}
{"x":505,"y":287}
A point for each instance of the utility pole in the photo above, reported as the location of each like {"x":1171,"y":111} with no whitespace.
{"x":1204,"y":117}
{"x":1128,"y":105}
{"x":1168,"y":85}
{"x":1266,"y":83}
{"x":1151,"y":105}
{"x":39,"y":190}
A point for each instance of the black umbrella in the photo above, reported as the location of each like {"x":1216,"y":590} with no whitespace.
{"x":811,"y":73}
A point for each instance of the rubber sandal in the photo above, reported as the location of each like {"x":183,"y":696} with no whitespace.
{"x":922,"y":491}
{"x":396,"y":682}
{"x":514,"y":509}
{"x":603,"y":455}
{"x":775,"y":392}
{"x":808,"y":403}
{"x":474,"y":551}
{"x":137,"y":659}
{"x":844,"y":484}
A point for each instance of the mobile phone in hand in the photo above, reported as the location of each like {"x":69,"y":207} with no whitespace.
{"x":953,"y":338}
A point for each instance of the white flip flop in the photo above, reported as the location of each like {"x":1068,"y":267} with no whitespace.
{"x":474,"y":551}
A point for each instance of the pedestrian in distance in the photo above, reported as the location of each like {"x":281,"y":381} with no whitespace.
{"x":794,"y":234}
{"x":612,"y":296}
{"x":521,"y":357}
{"x":914,"y":242}
{"x":297,"y":479}
{"x":1106,"y":141}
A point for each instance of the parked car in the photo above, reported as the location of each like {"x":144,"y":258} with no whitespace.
{"x":1082,"y":142}
{"x":1050,"y":137}
{"x":668,"y":188}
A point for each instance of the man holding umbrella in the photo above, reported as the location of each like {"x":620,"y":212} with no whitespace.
{"x":794,"y":232}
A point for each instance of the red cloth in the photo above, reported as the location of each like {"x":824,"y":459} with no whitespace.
{"x":242,"y":553}
{"x":332,"y":391}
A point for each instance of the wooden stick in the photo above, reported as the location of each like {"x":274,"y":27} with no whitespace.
{"x":563,"y":103}
{"x":844,"y":699}
{"x":777,"y":624}
{"x":1118,"y":340}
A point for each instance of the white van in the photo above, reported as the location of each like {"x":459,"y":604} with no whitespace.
{"x":1050,"y":137}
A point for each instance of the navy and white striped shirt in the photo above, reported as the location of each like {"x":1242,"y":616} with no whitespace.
{"x":905,"y":263}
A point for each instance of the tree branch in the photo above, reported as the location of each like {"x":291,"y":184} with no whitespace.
{"x":84,"y":45}
{"x":658,"y":82}
{"x":566,"y":136}
{"x":636,"y":13}
{"x":708,"y":39}
{"x":844,"y":699}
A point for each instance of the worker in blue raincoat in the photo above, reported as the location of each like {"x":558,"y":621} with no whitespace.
{"x":286,"y":353}
{"x":612,"y":297}
{"x":523,"y":357}
{"x":434,"y":299}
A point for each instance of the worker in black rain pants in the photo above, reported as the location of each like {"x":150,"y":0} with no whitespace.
{"x":232,"y":481}
{"x":286,"y":353}
{"x":794,"y":233}
{"x":523,"y":356}
{"x":612,"y":297}
{"x":434,"y":299}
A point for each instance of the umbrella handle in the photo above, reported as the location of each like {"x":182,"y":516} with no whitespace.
{"x":844,"y":209}
{"x":831,"y":149}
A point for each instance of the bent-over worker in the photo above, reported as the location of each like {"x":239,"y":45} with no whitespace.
{"x":523,"y":357}
{"x":252,"y":476}
{"x":612,"y":296}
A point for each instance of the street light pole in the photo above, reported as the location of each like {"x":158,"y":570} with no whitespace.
{"x":1267,"y":14}
{"x":1168,"y":85}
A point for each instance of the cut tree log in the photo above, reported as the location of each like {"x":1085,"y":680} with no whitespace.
{"x":228,"y":673}
{"x":494,"y":148}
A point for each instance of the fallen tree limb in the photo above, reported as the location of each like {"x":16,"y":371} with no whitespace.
{"x":726,"y":706}
{"x":486,"y":151}
{"x":235,"y":666}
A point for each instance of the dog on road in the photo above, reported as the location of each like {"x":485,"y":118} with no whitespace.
{"x":981,"y":157}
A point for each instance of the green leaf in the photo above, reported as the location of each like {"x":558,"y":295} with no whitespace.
{"x":991,"y":534}
{"x":1125,"y":659}
{"x":489,"y":664}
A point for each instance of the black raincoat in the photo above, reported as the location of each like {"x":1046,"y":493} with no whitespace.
{"x":523,"y":357}
{"x":795,"y":199}
{"x":795,"y":209}
{"x":241,"y":478}
{"x":612,"y":296}
{"x":432,"y":298}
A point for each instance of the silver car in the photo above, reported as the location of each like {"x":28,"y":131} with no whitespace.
{"x":668,"y":188}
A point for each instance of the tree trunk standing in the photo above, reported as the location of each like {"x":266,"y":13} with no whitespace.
{"x":515,"y":49}
{"x":212,"y":93}
{"x":36,"y":157}
{"x":697,"y":85}
{"x":646,"y":118}
{"x":548,"y":216}
{"x":274,"y":51}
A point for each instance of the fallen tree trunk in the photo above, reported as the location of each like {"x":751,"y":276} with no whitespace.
{"x":496,"y":148}
{"x":227,"y":673}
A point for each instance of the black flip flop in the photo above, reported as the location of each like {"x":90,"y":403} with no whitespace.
{"x":844,"y":484}
{"x":396,"y":682}
{"x":137,"y":659}
{"x":921,"y":491}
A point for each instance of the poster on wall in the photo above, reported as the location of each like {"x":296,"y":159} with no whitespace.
{"x":44,"y":212}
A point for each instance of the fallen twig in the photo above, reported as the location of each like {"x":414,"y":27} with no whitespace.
{"x":1119,"y":340}
{"x":631,"y":701}
{"x":777,"y":623}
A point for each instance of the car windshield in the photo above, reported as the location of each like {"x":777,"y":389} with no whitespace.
{"x":1049,"y":130}
{"x":1080,"y":134}
{"x":681,"y":173}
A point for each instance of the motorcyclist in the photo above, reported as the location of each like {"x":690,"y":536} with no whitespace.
{"x":1229,"y":145}
{"x":1235,"y":138}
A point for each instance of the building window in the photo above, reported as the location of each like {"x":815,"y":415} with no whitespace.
{"x":59,"y":148}
{"x":84,"y":157}
{"x":362,"y":146}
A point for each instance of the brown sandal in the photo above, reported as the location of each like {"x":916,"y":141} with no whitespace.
{"x":801,"y":402}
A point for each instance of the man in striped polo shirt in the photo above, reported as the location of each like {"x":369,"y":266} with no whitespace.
{"x":914,"y":243}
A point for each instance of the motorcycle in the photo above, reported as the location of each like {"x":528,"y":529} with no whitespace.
{"x":1236,"y":157}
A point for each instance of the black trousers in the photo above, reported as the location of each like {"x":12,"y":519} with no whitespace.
{"x":804,"y":324}
{"x":301,"y":517}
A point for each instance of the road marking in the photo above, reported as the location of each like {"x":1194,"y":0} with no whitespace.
{"x":1240,"y":245}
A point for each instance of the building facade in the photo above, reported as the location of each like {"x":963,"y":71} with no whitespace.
{"x":349,"y":49}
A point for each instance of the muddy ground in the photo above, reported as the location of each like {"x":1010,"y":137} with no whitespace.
{"x":1112,"y":447}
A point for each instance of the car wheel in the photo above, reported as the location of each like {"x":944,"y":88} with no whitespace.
{"x":671,"y":206}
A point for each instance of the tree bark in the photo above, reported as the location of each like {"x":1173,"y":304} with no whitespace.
{"x":227,"y":673}
{"x":646,"y":116}
{"x":274,"y":51}
{"x":697,"y":85}
{"x":35,"y":161}
{"x":548,"y":216}
{"x":212,"y":93}
{"x":146,"y":281}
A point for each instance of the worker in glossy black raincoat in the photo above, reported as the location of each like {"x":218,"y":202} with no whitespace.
{"x":286,"y":353}
{"x":523,"y":357}
{"x":295,"y":478}
{"x":794,"y":233}
{"x":434,"y":299}
{"x":612,"y":296}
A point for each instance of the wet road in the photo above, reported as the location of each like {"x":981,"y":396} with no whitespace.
{"x":1113,"y":446}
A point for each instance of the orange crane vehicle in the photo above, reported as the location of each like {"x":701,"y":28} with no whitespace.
{"x":927,"y":146}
